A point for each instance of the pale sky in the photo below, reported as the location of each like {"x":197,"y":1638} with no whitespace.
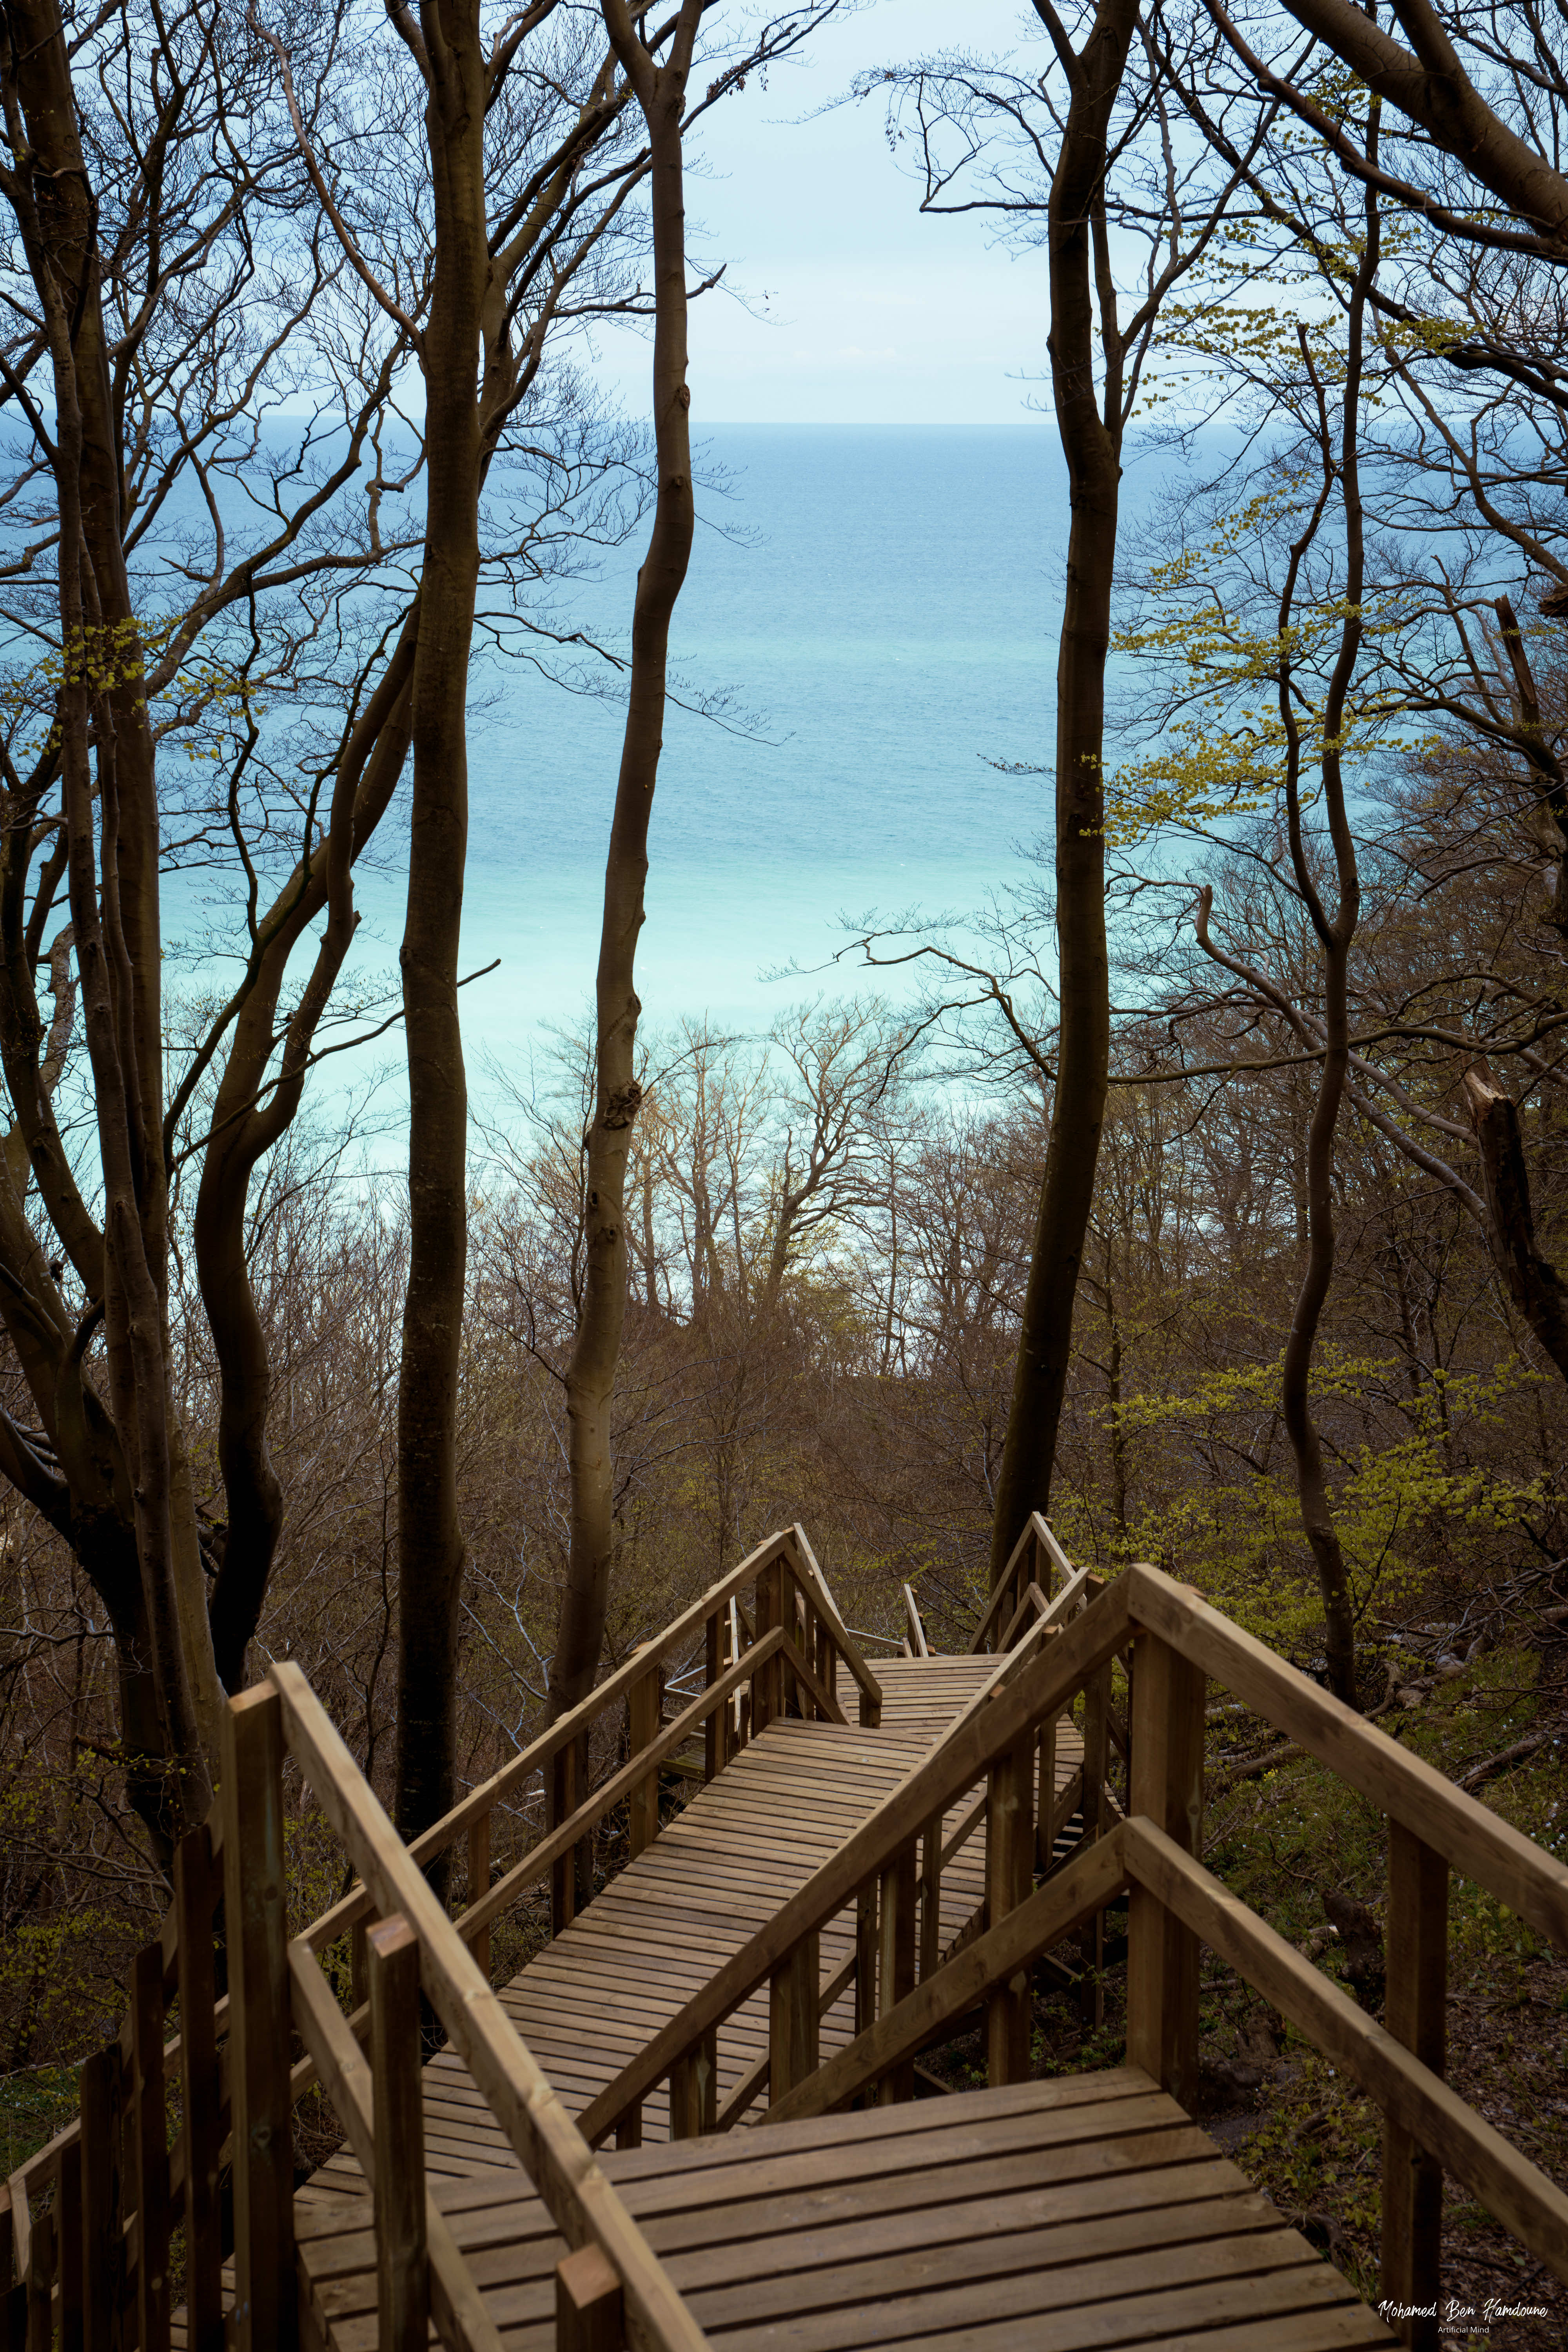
{"x":863,"y":309}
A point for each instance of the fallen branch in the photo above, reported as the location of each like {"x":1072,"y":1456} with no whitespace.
{"x":1507,"y":1758}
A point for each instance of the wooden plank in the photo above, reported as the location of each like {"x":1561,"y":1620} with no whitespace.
{"x":590,"y":2309}
{"x":1006,"y":1710}
{"x":1416,"y":2012}
{"x":547,"y":2144}
{"x":1473,"y":1839}
{"x":392,"y":1953}
{"x":1166,"y":1788}
{"x":1087,"y":1883}
{"x":148,"y":2146}
{"x":1513,"y":2189}
{"x":256,"y":1909}
{"x":102,"y":2237}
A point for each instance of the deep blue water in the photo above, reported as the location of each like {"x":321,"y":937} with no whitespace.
{"x":892,"y":622}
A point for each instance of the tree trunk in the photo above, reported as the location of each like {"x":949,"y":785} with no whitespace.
{"x":1092,"y":443}
{"x":1534,"y":1284}
{"x":591,"y":1375}
{"x":430,"y":1537}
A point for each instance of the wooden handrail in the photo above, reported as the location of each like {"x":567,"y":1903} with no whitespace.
{"x":1014,"y":1699}
{"x":1517,"y":2191}
{"x":1468,"y":1834}
{"x":1036,"y":1531}
{"x":548,"y":2144}
{"x":838,"y":1632}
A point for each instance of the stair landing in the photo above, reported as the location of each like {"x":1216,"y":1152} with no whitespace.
{"x":1060,"y":2216}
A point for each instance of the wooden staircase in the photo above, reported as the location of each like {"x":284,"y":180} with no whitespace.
{"x":775,"y":1954}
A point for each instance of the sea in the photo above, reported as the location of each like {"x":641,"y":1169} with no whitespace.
{"x":876,"y":605}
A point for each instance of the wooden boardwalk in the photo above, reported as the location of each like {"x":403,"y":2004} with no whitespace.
{"x":727,"y":1862}
{"x":1065,"y":2215}
{"x":773,"y":2187}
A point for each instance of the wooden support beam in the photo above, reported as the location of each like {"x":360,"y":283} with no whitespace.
{"x":402,"y":2253}
{"x":1166,"y":1788}
{"x":196,"y":1885}
{"x":896,"y":1960}
{"x":1045,"y":1797}
{"x":148,"y":2144}
{"x":256,"y":1911}
{"x":1009,"y":1878}
{"x":479,"y":1886}
{"x":644,"y":1719}
{"x":1415,"y":2014}
{"x":930,"y":1895}
{"x":564,"y":1792}
{"x":590,"y":2307}
{"x":865,"y":1956}
{"x":792,"y":2042}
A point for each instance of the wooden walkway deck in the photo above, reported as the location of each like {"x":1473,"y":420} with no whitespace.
{"x":1056,"y":2216}
{"x":726,"y":1863}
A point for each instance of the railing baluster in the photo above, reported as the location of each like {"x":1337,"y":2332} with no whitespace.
{"x":1009,"y":1857}
{"x":256,"y":1911}
{"x":1045,"y":1798}
{"x":1095,"y":1763}
{"x":68,"y":2249}
{"x":480,"y":1883}
{"x":865,"y":1960}
{"x":644,"y":1708}
{"x":694,"y":2089}
{"x":196,"y":1896}
{"x":1166,"y":1787}
{"x":793,"y":2041}
{"x":402,"y":2254}
{"x":931,"y":1897}
{"x":1415,"y":2014}
{"x":149,"y":2143}
{"x":40,"y":2287}
{"x":102,"y":2202}
{"x":714,"y":1757}
{"x":896,"y":1960}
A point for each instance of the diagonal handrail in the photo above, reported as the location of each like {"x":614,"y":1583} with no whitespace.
{"x":548,"y":2144}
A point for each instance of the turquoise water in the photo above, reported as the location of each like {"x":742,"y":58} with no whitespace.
{"x":891,"y":619}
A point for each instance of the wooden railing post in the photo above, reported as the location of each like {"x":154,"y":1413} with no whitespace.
{"x":715,"y":1747}
{"x":402,"y":2254}
{"x":792,"y":2042}
{"x":694,"y":2090}
{"x":201,"y":2128}
{"x":767,"y":1683}
{"x":644,"y":1708}
{"x":1166,"y":1787}
{"x":256,"y":1912}
{"x":149,"y":2143}
{"x":590,"y":2304}
{"x":896,"y":1960}
{"x":1009,"y":1878}
{"x":1415,"y":2014}
{"x":931,"y":1897}
{"x":480,"y":1883}
{"x":866,"y":1956}
{"x":102,"y":2202}
{"x":68,"y":2251}
{"x":1096,"y":1765}
{"x":40,"y":2333}
{"x":561,"y":1797}
{"x":1046,"y":1796}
